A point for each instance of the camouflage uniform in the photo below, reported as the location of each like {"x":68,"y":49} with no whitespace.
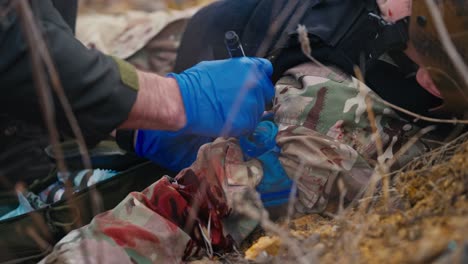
{"x":324,"y":134}
{"x":148,"y":41}
{"x":332,"y":106}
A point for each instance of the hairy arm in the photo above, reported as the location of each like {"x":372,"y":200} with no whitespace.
{"x":158,"y":104}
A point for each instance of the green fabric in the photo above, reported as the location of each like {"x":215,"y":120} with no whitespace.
{"x":128,"y":73}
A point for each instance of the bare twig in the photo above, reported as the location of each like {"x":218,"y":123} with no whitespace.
{"x":381,"y":167}
{"x":409,"y":144}
{"x":418,"y":116}
{"x":262,"y":52}
{"x":40,"y":55}
{"x":342,"y":189}
{"x":43,"y":245}
{"x":195,"y":207}
{"x":32,"y":35}
{"x":260,"y":214}
{"x":276,"y":26}
{"x":73,"y":122}
{"x":307,"y":49}
{"x":293,"y":194}
{"x":236,"y":107}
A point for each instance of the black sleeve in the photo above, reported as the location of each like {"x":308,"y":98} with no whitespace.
{"x":101,"y":90}
{"x":68,"y":9}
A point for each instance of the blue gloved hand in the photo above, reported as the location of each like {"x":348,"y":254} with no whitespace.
{"x":262,"y":140}
{"x":230,"y":93}
{"x":275,"y":186}
{"x":172,"y":150}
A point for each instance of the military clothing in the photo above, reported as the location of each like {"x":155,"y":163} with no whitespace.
{"x":100,"y":91}
{"x":96,"y":85}
{"x":325,"y":135}
{"x":341,"y":33}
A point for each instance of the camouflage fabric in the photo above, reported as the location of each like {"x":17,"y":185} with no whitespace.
{"x":159,"y":54}
{"x":324,"y":134}
{"x":332,"y":107}
{"x":122,"y":35}
{"x":172,"y":218}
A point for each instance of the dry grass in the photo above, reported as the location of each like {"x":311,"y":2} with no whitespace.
{"x":422,"y":217}
{"x":427,"y":220}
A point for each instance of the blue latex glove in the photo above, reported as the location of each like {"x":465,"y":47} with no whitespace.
{"x":210,"y":91}
{"x":262,"y":140}
{"x":275,"y":186}
{"x":172,"y":150}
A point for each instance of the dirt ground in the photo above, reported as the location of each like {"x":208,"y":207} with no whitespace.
{"x":424,"y":221}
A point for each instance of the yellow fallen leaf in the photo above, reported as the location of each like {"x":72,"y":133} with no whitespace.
{"x":268,"y":244}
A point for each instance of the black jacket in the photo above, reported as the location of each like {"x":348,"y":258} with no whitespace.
{"x":91,"y":80}
{"x":341,"y":32}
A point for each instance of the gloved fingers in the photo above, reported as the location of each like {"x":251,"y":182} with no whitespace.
{"x":260,"y":90}
{"x":268,"y":91}
{"x":262,"y":140}
{"x":275,"y":186}
{"x":225,"y":95}
{"x":245,"y":115}
{"x":264,"y":72}
{"x":264,"y":65}
{"x":245,"y":125}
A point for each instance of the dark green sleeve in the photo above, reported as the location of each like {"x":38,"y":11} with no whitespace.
{"x":101,"y":89}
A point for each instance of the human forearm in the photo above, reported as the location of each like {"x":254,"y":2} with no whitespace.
{"x":198,"y":104}
{"x":158,"y":105}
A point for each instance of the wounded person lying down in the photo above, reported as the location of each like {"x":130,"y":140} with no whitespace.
{"x":320,"y":135}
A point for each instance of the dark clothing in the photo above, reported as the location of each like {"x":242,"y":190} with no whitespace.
{"x":68,"y":9}
{"x":340,"y":31}
{"x":91,"y":80}
{"x":22,"y":156}
{"x":328,"y":24}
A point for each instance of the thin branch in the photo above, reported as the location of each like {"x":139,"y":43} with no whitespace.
{"x":276,"y":26}
{"x":40,"y":55}
{"x":58,"y":89}
{"x":32,"y":35}
{"x":293,"y":194}
{"x":381,"y":167}
{"x":41,"y":243}
{"x":370,"y":113}
{"x":260,"y":215}
{"x":409,"y":144}
{"x":307,"y":49}
{"x":418,"y":116}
